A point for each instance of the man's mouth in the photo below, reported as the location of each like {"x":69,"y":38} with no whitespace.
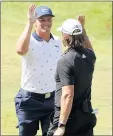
{"x":46,"y":27}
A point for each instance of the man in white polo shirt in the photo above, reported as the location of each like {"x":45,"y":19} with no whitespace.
{"x":40,"y":52}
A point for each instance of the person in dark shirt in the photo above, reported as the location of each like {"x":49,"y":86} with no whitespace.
{"x":73,"y":114}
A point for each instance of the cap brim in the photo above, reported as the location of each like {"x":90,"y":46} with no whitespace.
{"x":59,"y":29}
{"x":45,"y":15}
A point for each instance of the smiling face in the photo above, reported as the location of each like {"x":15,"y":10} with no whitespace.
{"x":44,"y":23}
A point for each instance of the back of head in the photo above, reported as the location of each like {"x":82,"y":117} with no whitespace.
{"x":72,"y":33}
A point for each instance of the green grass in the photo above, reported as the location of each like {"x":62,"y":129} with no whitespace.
{"x":98,"y":24}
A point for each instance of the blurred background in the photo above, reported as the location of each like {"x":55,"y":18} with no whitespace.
{"x":99,"y":29}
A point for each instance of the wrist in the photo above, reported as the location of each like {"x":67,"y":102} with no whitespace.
{"x":61,"y":125}
{"x":29,"y":25}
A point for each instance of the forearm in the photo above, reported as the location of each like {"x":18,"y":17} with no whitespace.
{"x":87,"y":43}
{"x":23,"y":42}
{"x":66,"y":106}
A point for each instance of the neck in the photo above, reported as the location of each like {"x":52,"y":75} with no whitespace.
{"x":44,"y":35}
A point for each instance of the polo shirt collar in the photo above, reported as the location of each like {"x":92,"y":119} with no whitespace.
{"x":34,"y":34}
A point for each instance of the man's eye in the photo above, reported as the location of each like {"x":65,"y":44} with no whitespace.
{"x":49,"y":19}
{"x":42,"y":20}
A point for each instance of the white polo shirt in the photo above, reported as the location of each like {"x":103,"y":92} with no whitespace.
{"x":39,"y":64}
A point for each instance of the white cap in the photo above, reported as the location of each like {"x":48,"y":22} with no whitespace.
{"x":71,"y":27}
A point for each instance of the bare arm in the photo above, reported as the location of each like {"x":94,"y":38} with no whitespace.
{"x":65,"y":74}
{"x":66,"y":106}
{"x":23,"y":42}
{"x":66,"y":103}
{"x":87,"y":43}
{"x":22,"y":45}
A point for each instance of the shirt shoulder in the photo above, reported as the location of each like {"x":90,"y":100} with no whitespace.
{"x":65,"y":72}
{"x":66,"y":61}
{"x":57,"y":39}
{"x":57,"y":42}
{"x":32,"y":46}
{"x":90,"y":54}
{"x":32,"y":40}
{"x":70,"y":56}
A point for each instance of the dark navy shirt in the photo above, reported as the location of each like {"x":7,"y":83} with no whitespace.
{"x":74,"y":68}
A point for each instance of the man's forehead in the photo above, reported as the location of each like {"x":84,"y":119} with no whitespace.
{"x":45,"y":17}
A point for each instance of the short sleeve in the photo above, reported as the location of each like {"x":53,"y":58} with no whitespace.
{"x":90,"y":55}
{"x":66,"y":72}
{"x":31,"y":47}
